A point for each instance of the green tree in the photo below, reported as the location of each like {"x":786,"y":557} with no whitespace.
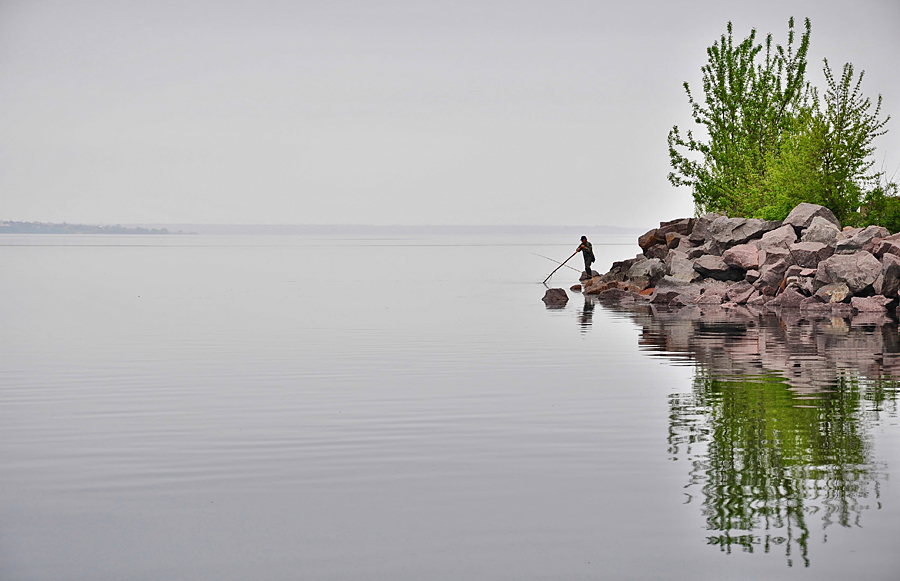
{"x":772,"y":143}
{"x":752,"y":95}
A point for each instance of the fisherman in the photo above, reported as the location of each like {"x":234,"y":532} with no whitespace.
{"x":587,"y":251}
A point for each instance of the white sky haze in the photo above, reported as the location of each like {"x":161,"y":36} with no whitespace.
{"x":381,"y":112}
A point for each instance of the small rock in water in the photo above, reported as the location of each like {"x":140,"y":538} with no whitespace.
{"x":575,"y":287}
{"x":555,"y":296}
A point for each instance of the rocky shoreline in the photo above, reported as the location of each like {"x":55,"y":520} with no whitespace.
{"x":806,"y":262}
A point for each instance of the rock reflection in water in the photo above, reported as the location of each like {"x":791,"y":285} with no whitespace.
{"x":777,"y":427}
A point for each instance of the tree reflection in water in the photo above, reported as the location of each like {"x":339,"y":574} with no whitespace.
{"x":778,"y":424}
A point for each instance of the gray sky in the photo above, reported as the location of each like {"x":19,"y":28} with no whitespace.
{"x":380,"y":112}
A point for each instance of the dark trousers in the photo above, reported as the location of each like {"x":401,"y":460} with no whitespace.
{"x":587,"y":265}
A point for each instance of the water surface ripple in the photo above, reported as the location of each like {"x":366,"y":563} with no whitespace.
{"x":405,"y":407}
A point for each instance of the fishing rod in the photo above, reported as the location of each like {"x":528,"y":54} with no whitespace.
{"x":561,"y":264}
{"x":556,"y":261}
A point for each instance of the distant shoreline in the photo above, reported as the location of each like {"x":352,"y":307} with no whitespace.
{"x":7,"y":227}
{"x":10,"y":227}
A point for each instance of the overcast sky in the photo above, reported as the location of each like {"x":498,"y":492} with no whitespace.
{"x":378,"y":112}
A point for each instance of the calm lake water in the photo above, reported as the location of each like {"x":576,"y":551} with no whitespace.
{"x":401,"y":407}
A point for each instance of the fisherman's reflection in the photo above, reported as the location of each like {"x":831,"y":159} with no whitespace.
{"x":586,"y":316}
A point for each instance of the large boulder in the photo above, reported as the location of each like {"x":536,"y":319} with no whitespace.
{"x":679,"y":267}
{"x":809,"y":254}
{"x":732,"y":231}
{"x":820,"y":230}
{"x":683,"y":226}
{"x":650,"y":270}
{"x":781,"y":237}
{"x":772,"y":256}
{"x":858,"y":271}
{"x":714,"y":267}
{"x":860,"y":238}
{"x":647,"y":240}
{"x":701,"y":227}
{"x":802,"y":215}
{"x":890,"y":273}
{"x":555,"y":297}
{"x":713,"y":247}
{"x":743,"y":256}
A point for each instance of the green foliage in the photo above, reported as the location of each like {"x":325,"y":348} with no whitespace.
{"x":881,"y":206}
{"x":747,"y":108}
{"x":773,"y":144}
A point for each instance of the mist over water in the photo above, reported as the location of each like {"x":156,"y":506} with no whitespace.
{"x":405,"y":407}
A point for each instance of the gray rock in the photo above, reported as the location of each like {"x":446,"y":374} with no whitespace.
{"x":662,"y":296}
{"x":740,"y":292}
{"x":652,"y":269}
{"x":889,"y":245}
{"x":835,"y":292}
{"x":732,"y":231}
{"x":614,"y":295}
{"x":710,"y":299}
{"x":780,"y":237}
{"x":758,"y":300}
{"x":809,"y":254}
{"x":851,"y":244}
{"x":858,"y":270}
{"x":658,"y":251}
{"x":555,"y":297}
{"x":802,"y":215}
{"x":771,"y":275}
{"x":671,"y":281}
{"x":820,"y":230}
{"x":743,"y":256}
{"x":814,"y":303}
{"x":890,"y":273}
{"x":681,"y":268}
{"x":696,"y":252}
{"x":682,"y":226}
{"x":752,"y":276}
{"x":774,"y":255}
{"x":713,"y":248}
{"x":714,"y":267}
{"x":789,"y":299}
{"x":876,"y":304}
{"x":701,"y":227}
